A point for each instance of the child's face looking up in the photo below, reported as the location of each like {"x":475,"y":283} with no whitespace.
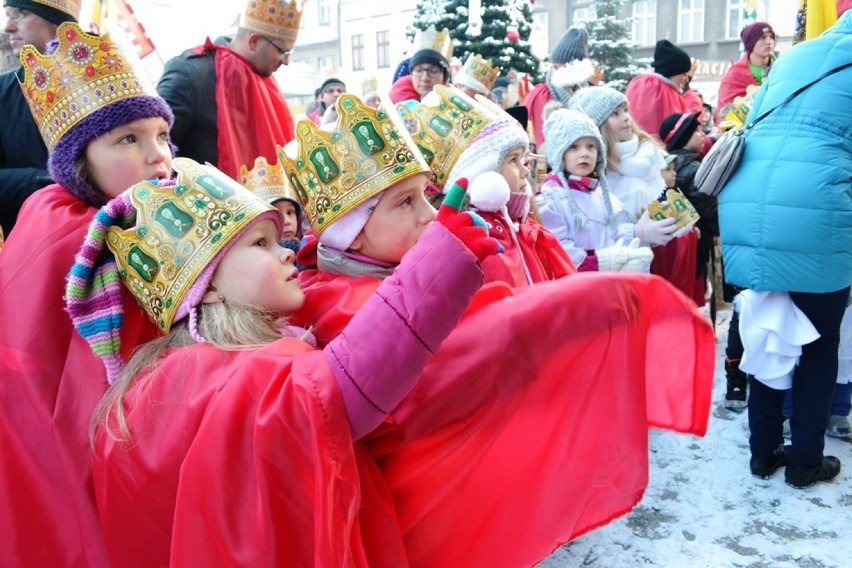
{"x":397,"y":221}
{"x":515,"y":169}
{"x":128,"y":154}
{"x":581,"y":157}
{"x":670,"y":175}
{"x":257,"y":270}
{"x":696,"y":141}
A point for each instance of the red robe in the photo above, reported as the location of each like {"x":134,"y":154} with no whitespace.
{"x":535,"y":102}
{"x":733,"y":85}
{"x":50,"y":382}
{"x":676,"y":262}
{"x":537,"y":247}
{"x":251,"y":113}
{"x":534,"y":411}
{"x":651,"y":100}
{"x":403,"y":90}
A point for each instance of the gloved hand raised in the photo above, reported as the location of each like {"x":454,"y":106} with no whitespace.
{"x":467,"y":226}
{"x":655,"y":232}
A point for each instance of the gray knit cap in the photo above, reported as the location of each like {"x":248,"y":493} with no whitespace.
{"x":572,"y":46}
{"x":564,"y":127}
{"x":598,"y":103}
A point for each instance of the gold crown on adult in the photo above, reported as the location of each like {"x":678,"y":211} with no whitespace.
{"x":480,"y":70}
{"x":267,"y":181}
{"x":443,"y":127}
{"x":70,"y":7}
{"x":362,"y":154}
{"x":273,"y":18}
{"x":179,"y":230}
{"x":370,"y":86}
{"x":431,"y":38}
{"x":86,"y":73}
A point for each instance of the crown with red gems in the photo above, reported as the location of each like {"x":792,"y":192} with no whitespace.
{"x":333,"y":171}
{"x":273,"y":18}
{"x":267,"y":181}
{"x":84,"y":74}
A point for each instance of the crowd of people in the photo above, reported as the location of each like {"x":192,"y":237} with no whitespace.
{"x":381,"y":333}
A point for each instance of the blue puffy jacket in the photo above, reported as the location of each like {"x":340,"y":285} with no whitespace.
{"x":785,"y":217}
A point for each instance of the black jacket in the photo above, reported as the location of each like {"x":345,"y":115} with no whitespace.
{"x":23,"y":155}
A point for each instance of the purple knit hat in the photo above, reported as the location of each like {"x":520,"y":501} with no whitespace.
{"x":62,"y":162}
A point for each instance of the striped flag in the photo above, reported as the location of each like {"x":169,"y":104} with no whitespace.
{"x":131,"y":26}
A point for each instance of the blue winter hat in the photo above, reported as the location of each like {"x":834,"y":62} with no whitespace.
{"x":572,"y":46}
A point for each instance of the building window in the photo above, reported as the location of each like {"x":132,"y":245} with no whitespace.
{"x":645,"y":22}
{"x":325,"y":62}
{"x":323,"y":12}
{"x":383,"y":49}
{"x":358,"y":52}
{"x":741,"y":13}
{"x":583,"y":14}
{"x":691,"y":28}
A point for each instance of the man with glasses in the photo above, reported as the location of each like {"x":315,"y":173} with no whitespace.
{"x":429,"y":67}
{"x":228,"y":107}
{"x":23,"y":155}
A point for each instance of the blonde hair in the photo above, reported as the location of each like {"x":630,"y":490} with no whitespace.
{"x":613,"y":157}
{"x":231,"y":327}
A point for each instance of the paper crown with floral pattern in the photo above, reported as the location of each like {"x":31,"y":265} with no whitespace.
{"x":431,"y":38}
{"x":362,"y":154}
{"x":84,"y":74}
{"x":273,"y":18}
{"x":443,"y":125}
{"x":179,"y":230}
{"x":267,"y":181}
{"x":477,"y":73}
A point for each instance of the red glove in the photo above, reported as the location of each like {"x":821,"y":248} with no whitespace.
{"x":467,"y":226}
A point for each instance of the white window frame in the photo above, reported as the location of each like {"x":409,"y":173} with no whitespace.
{"x":583,"y":14}
{"x":644,"y":22}
{"x":324,"y":12}
{"x":357,"y":43}
{"x":690,"y":17}
{"x":383,"y":49}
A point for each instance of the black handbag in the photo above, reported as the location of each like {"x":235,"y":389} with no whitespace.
{"x":724,"y":156}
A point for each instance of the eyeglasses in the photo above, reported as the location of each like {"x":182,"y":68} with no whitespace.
{"x":282,"y":52}
{"x":431,"y":71}
{"x":15,"y":15}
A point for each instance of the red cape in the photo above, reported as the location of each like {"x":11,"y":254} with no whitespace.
{"x":403,"y":90}
{"x":535,"y":103}
{"x":50,"y":382}
{"x":534,"y":411}
{"x":251,"y":113}
{"x":676,"y":262}
{"x":733,"y":85}
{"x":651,"y":100}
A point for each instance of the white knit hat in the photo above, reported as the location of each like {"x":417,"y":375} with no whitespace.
{"x":598,"y":103}
{"x":485,"y":152}
{"x":340,"y":234}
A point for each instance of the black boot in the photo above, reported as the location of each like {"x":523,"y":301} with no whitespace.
{"x":765,"y":466}
{"x":801,"y":477}
{"x":735,"y":396}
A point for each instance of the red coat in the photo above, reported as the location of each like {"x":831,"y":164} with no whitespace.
{"x":651,"y":99}
{"x":481,"y":441}
{"x":733,"y":85}
{"x":50,"y":382}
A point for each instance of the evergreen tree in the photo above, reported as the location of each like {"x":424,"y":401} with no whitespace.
{"x":610,"y":46}
{"x":498,"y":18}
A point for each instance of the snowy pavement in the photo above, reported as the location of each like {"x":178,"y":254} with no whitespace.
{"x":702,"y":507}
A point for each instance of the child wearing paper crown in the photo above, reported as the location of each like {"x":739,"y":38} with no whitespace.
{"x":475,"y":413}
{"x":269,"y":183}
{"x":105,"y":128}
{"x":576,"y":204}
{"x":634,"y":172}
{"x":494,"y":157}
{"x":233,"y":412}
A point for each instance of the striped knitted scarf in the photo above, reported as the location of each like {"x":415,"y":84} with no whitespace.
{"x":93,"y":289}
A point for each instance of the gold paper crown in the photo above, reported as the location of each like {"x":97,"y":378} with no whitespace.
{"x":84,"y":74}
{"x":268,"y":182}
{"x":333,"y":171}
{"x":676,"y":206}
{"x":442,"y":131}
{"x":369,"y":86}
{"x":480,"y":70}
{"x":273,"y":18}
{"x":431,"y":38}
{"x":179,"y":230}
{"x":70,"y":7}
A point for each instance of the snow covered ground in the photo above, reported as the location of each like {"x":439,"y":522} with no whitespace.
{"x":702,"y":506}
